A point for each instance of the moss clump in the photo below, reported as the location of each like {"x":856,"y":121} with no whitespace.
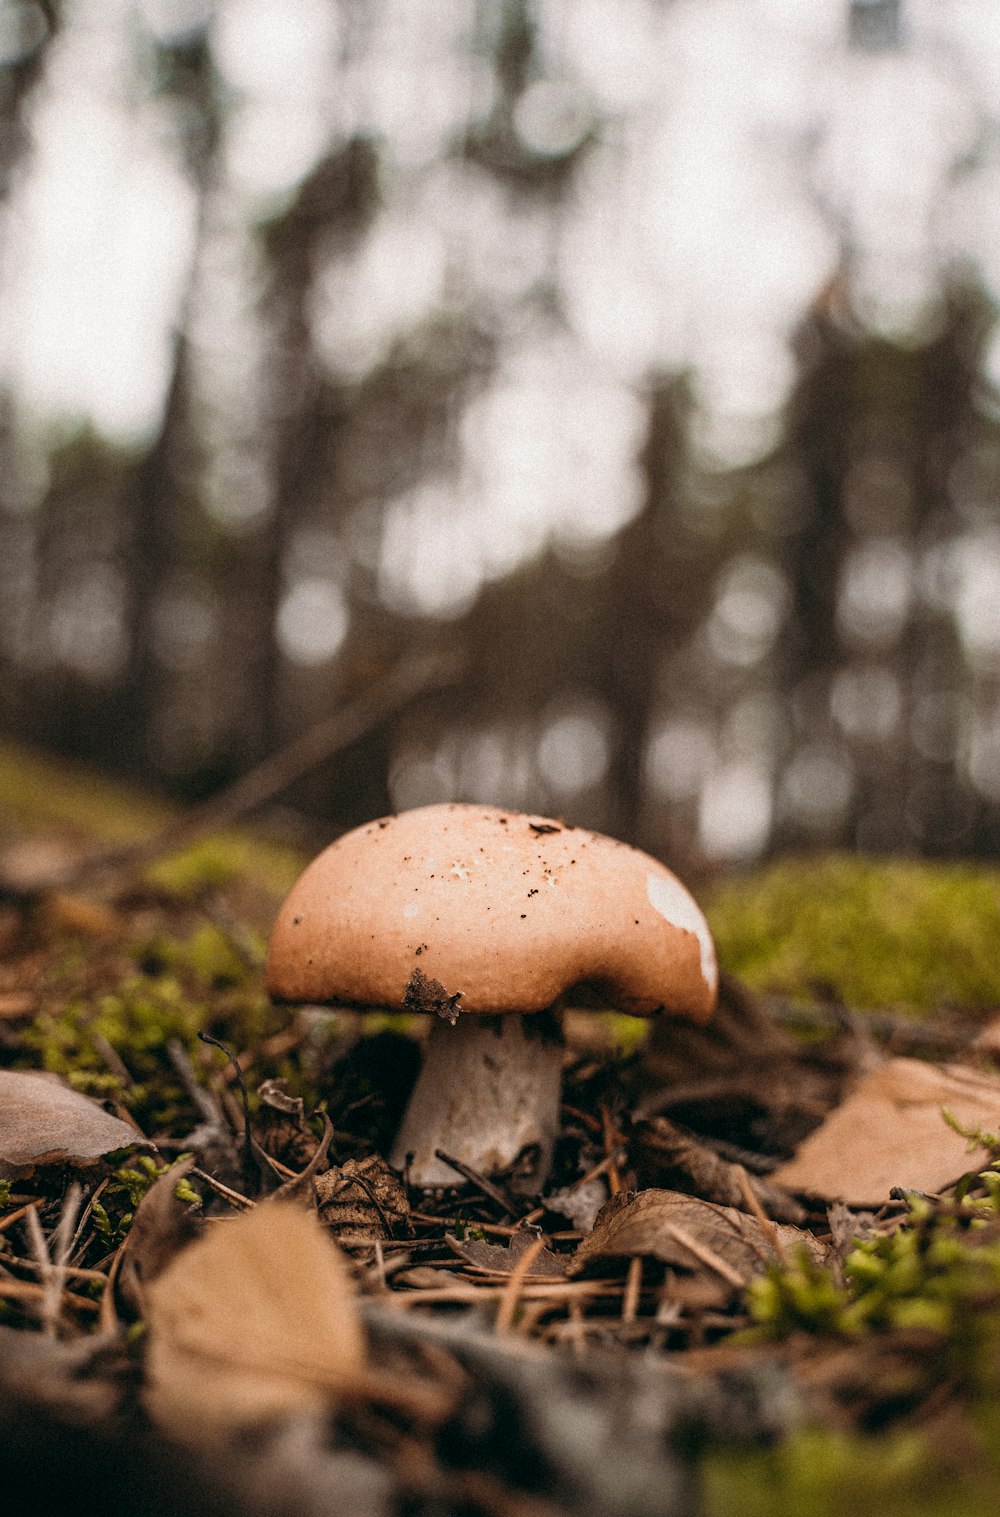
{"x":937,"y":1274}
{"x":227,"y":856}
{"x":206,"y":956}
{"x":40,"y":795}
{"x":874,"y":932}
{"x":168,"y":988}
{"x":922,"y":1306}
{"x":114,"y":1211}
{"x":818,"y":1473}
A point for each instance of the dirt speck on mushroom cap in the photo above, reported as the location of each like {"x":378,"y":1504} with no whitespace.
{"x":511,"y":910}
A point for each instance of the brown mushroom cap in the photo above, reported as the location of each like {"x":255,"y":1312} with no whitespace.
{"x":505,"y":911}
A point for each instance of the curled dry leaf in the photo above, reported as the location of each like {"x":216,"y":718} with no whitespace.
{"x":362,"y":1200}
{"x":254,"y":1321}
{"x":281,"y":1128}
{"x":890,"y":1132}
{"x":687,"y":1233}
{"x":43,"y":1121}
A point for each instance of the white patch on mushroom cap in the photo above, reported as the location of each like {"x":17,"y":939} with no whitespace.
{"x":672,"y":901}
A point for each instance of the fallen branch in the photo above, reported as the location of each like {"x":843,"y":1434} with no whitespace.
{"x":383,"y":699}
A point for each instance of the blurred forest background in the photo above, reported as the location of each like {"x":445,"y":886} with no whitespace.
{"x":645,"y":351}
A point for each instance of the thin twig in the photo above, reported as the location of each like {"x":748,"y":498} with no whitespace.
{"x":78,"y":1250}
{"x":767,"y":1224}
{"x":479,"y":1181}
{"x":248,"y":1161}
{"x":38,"y":1296}
{"x":207,"y":1106}
{"x":704,"y":1254}
{"x":469,"y":1293}
{"x":108,"y":1319}
{"x":633,"y":1289}
{"x":218,"y":911}
{"x":508,"y":1301}
{"x":19,"y":1215}
{"x":51,"y":1264}
{"x":241,"y":1202}
{"x":602,"y":1168}
{"x":613,"y":1141}
{"x":112,"y":1059}
{"x":71,"y":1271}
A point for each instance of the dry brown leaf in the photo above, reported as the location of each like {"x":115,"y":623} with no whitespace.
{"x":688,"y":1233}
{"x":362,"y":1199}
{"x":673,"y":1158}
{"x":43,"y":1122}
{"x":254,"y":1321}
{"x":890,"y":1132}
{"x":503,"y":1259}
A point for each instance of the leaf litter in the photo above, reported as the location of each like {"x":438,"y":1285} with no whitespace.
{"x":44,"y":1123}
{"x":889,"y":1133}
{"x":253,"y":1321}
{"x":449,"y":1345}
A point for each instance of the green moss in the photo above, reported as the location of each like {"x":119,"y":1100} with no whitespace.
{"x":170,"y":989}
{"x":876,"y":933}
{"x":937,"y":1274}
{"x":206,"y":955}
{"x":827,"y":1474}
{"x":217,"y":861}
{"x":114,"y":1211}
{"x":41,"y":795}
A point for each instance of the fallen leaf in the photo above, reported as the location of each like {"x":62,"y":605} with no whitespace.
{"x":890,"y":1131}
{"x":43,"y":1121}
{"x":362,"y":1199}
{"x":503,"y":1259}
{"x":281,"y":1128}
{"x":688,"y":1233}
{"x":255,"y":1321}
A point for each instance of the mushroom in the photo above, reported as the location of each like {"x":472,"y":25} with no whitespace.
{"x":481,"y":916}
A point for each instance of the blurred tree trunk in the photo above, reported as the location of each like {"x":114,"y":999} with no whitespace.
{"x":165,"y":482}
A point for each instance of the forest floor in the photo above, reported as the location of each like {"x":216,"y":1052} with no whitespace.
{"x":764,"y":1276}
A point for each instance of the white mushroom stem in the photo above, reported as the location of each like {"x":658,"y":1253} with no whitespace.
{"x":489,"y":1088}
